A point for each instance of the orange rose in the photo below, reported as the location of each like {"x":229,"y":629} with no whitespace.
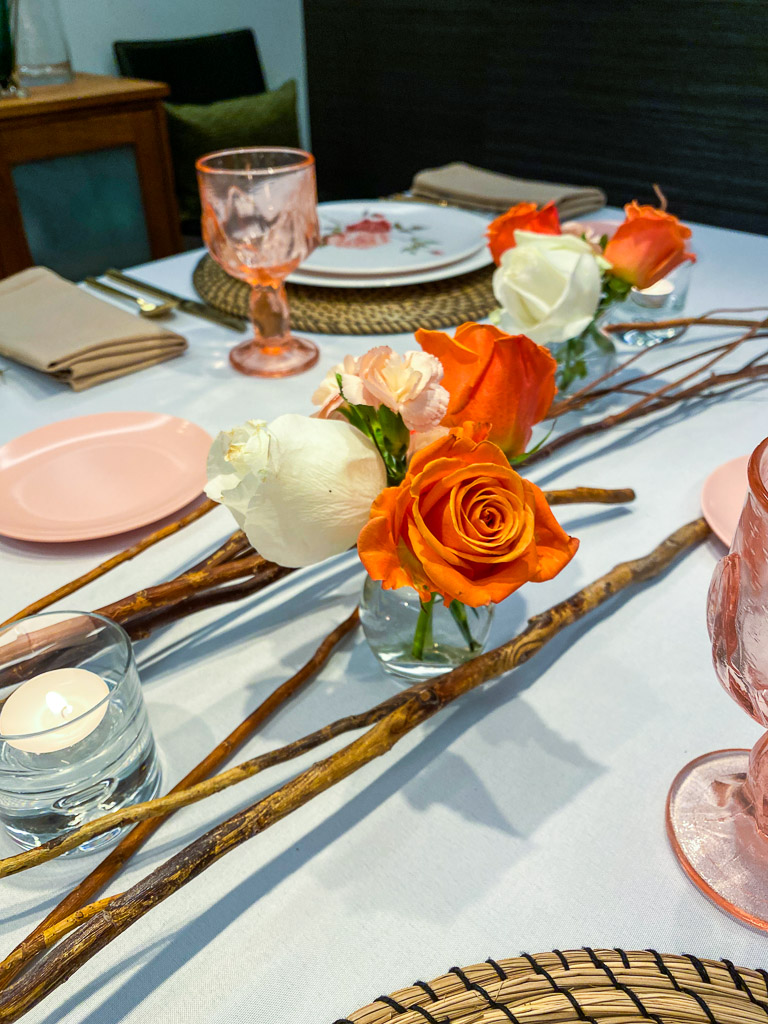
{"x":463,"y":524}
{"x":647,"y":246}
{"x":522,"y":217}
{"x":505,"y":380}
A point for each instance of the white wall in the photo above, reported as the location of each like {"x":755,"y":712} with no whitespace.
{"x":92,"y":26}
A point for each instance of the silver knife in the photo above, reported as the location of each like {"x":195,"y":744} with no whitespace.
{"x":234,"y":323}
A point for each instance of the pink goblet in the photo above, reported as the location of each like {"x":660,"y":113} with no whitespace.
{"x":259,"y":223}
{"x":717,"y":808}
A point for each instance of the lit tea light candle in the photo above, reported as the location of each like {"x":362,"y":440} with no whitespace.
{"x":655,"y":296}
{"x":54,"y":710}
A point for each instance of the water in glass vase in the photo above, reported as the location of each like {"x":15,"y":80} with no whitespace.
{"x":414,"y":643}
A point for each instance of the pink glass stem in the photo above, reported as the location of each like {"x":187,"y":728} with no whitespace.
{"x":269,"y":315}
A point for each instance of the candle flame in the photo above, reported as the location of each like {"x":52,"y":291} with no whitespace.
{"x":58,"y":704}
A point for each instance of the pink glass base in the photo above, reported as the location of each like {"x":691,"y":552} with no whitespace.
{"x":715,"y":837}
{"x":262,"y":359}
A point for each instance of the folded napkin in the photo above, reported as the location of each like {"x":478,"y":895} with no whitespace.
{"x":477,"y":189}
{"x":52,"y":325}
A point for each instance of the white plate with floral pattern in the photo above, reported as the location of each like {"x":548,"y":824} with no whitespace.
{"x":380,"y":238}
{"x":475,"y":262}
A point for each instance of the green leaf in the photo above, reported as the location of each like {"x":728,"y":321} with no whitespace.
{"x":515,"y":460}
{"x":602,"y":341}
{"x":351,"y":413}
{"x":395,"y":431}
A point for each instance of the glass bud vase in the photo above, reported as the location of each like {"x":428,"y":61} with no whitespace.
{"x":418,"y":644}
{"x":42,"y":52}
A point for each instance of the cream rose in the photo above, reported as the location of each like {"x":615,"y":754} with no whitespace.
{"x":300,"y":488}
{"x":548,"y":286}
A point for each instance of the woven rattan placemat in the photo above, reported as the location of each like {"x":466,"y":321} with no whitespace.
{"x":584,"y":985}
{"x":360,"y":310}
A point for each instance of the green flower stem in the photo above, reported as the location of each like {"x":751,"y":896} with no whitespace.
{"x":423,"y":635}
{"x":570,"y":354}
{"x":459,"y":613}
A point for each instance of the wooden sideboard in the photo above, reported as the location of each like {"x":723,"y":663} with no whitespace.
{"x":86,"y":176}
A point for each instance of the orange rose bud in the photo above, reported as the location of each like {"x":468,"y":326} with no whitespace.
{"x":463,"y":524}
{"x":502,"y":379}
{"x":522,"y":217}
{"x":647,"y":246}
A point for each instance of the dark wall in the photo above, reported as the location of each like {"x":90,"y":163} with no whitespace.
{"x":620,"y":94}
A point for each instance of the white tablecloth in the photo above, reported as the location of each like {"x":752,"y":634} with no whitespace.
{"x":528,"y":816}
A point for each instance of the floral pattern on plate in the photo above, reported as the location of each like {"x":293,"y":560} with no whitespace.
{"x":375,"y":229}
{"x":383,"y":237}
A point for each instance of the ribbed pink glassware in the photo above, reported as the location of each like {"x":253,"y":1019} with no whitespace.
{"x":259,"y":223}
{"x":717,"y":809}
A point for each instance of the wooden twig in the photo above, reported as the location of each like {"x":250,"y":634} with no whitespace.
{"x":142,"y":626}
{"x":138,"y":626}
{"x":124,"y":556}
{"x":38,"y":941}
{"x":591,"y":495}
{"x":152,"y":598}
{"x":121,"y":911}
{"x":135,"y":839}
{"x":233,"y":547}
{"x":683,"y":321}
{"x":713,"y":318}
{"x":714,"y":385}
{"x":590,"y":391}
{"x":662,"y":397}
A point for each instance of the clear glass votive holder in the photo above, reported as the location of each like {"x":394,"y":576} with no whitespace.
{"x":75,"y":738}
{"x":664,"y":300}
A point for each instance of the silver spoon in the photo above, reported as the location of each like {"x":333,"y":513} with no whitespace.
{"x":147,"y":307}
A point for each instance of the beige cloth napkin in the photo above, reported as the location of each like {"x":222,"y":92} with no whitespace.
{"x":477,"y":189}
{"x":52,"y":325}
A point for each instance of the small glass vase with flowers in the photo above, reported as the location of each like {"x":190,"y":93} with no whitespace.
{"x":411,"y":458}
{"x":555,"y":283}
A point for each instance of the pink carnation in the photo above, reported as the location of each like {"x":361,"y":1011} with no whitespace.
{"x":408,"y":384}
{"x":328,"y":396}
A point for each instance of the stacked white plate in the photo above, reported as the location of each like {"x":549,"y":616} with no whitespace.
{"x":383,"y":244}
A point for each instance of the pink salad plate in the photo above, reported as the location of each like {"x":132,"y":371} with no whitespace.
{"x":94,"y":476}
{"x":723,"y":496}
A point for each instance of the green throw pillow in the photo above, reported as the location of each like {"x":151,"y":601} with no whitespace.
{"x":267,"y":119}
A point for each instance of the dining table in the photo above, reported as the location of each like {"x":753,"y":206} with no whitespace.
{"x":530,"y":815}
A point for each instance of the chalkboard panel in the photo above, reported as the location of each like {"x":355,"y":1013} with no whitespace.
{"x":616,"y":94}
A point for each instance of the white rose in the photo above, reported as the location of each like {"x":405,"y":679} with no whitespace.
{"x":548,"y":286}
{"x":231,"y":459}
{"x":300,"y":488}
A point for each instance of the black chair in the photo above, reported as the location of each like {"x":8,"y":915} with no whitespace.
{"x":201,"y":69}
